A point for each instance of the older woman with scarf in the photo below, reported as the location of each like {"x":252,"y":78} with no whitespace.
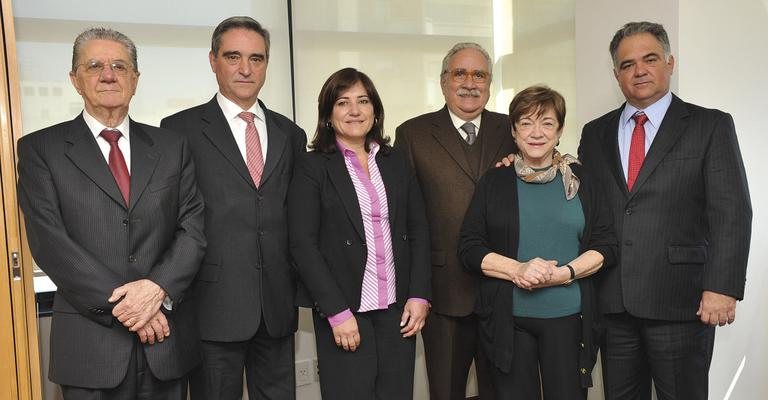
{"x":536,"y":232}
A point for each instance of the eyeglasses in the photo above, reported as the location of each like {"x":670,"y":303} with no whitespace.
{"x":235,"y":58}
{"x":96,"y":67}
{"x":460,"y":75}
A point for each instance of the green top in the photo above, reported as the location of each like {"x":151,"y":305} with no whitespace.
{"x":550,"y":228}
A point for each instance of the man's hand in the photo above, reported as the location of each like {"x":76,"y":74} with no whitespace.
{"x":346,"y":334}
{"x":157,"y":329}
{"x":506,"y":161}
{"x":716,"y":309}
{"x":535,"y":272}
{"x":138,"y":302}
{"x":414,"y":315}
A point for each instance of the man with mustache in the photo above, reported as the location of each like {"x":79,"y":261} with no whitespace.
{"x":450,"y":150}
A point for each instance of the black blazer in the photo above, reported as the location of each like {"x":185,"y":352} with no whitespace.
{"x":686,"y":225}
{"x":327,"y":236}
{"x":492,"y":225}
{"x":83,"y":236}
{"x":246,"y":273}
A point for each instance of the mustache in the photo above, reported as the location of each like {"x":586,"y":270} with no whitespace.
{"x":464,"y":92}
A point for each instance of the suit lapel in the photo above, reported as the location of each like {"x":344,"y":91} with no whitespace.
{"x":337,"y":171}
{"x":492,"y":144}
{"x":275,"y":147}
{"x":610,"y":139}
{"x":445,"y":134}
{"x":216,"y":128}
{"x":144,"y":159}
{"x":86,"y":155}
{"x":392,"y":182}
{"x":672,"y":127}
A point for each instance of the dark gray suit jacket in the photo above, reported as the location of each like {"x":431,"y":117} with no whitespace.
{"x":87,"y":241}
{"x":433,"y":147}
{"x":328,"y":237}
{"x":246,"y":273}
{"x":686,"y":225}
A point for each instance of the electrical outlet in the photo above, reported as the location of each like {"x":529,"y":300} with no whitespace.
{"x":304,"y":372}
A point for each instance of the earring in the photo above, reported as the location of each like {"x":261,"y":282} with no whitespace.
{"x":328,"y":125}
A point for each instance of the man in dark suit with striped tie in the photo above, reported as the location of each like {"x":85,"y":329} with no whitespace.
{"x":245,"y":291}
{"x":675,"y":180}
{"x":113,"y":216}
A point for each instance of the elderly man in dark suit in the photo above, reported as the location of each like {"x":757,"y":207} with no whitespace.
{"x":245,"y":291}
{"x":450,"y":150}
{"x":678,"y":190}
{"x":114,"y":218}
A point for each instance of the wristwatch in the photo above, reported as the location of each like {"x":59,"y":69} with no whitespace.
{"x":573,"y":275}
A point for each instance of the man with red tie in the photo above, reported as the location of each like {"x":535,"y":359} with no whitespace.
{"x":675,"y":180}
{"x":245,"y":292}
{"x":113,"y":216}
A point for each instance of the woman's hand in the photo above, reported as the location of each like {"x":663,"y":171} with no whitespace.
{"x":534,"y":273}
{"x":414,"y":317}
{"x":347,"y":335}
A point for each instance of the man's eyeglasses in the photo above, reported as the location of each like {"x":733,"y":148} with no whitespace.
{"x":96,"y":67}
{"x":460,"y":75}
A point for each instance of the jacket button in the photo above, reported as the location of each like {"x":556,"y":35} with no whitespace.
{"x":405,"y":237}
{"x":583,"y":371}
{"x":581,"y":344}
{"x":628,"y":211}
{"x":125,"y":222}
{"x":131,"y":259}
{"x":348,"y":242}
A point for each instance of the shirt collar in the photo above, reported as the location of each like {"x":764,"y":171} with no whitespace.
{"x":232,"y":110}
{"x":351,"y":153}
{"x":96,"y":127}
{"x":655,"y":112}
{"x":458,"y":122}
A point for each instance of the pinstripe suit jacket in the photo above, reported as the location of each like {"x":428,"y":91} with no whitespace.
{"x":685,"y":226}
{"x":87,"y":241}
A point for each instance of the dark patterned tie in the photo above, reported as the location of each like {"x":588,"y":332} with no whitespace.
{"x":471,"y":133}
{"x":636,"y":149}
{"x":117,"y":163}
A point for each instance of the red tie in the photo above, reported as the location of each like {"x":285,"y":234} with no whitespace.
{"x":117,"y":163}
{"x":636,"y":149}
{"x":254,"y":159}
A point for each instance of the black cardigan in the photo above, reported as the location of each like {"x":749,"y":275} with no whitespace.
{"x":492,"y":225}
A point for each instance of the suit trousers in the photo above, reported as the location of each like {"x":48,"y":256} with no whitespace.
{"x":139,"y":384}
{"x":674,"y":355}
{"x":450,"y":345}
{"x":380,"y":369}
{"x":268,"y":364}
{"x":546,"y":348}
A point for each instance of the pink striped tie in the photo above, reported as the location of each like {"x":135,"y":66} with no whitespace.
{"x":254,"y":159}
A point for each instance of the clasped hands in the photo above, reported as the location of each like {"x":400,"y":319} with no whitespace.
{"x":347,"y":334}
{"x":538,"y":273}
{"x":138,"y":309}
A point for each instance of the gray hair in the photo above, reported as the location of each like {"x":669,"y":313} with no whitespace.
{"x":101,"y":33}
{"x":242,"y":22}
{"x":466,"y":45}
{"x":635,"y":28}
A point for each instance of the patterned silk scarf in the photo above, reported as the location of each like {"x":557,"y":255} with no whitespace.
{"x":559,"y":163}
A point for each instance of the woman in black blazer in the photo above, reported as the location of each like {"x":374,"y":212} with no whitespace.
{"x":358,"y":236}
{"x":536,"y":232}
